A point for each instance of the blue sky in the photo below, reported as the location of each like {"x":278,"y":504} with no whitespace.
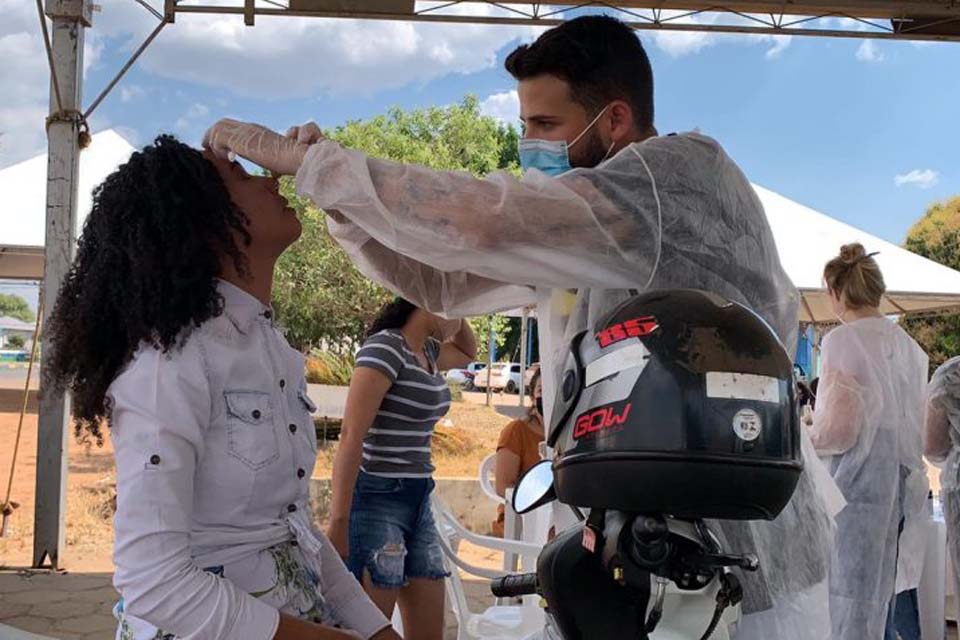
{"x":829,"y":123}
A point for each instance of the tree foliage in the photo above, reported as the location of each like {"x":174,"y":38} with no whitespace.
{"x":16,"y":307}
{"x":937,"y":236}
{"x":320,"y":297}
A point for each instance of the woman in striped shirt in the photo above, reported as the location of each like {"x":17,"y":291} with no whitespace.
{"x":381,"y":520}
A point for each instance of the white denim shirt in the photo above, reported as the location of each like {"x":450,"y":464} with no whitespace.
{"x":215,"y":447}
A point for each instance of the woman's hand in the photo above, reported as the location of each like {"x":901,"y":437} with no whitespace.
{"x":339,"y":535}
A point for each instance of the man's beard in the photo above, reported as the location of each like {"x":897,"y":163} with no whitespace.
{"x":589,"y":151}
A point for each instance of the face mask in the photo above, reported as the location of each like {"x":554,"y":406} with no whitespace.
{"x":552,"y":157}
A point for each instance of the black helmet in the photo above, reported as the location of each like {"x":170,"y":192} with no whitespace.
{"x":680,"y":403}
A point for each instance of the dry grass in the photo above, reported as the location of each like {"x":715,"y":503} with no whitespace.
{"x":458,"y":448}
{"x":90,"y":499}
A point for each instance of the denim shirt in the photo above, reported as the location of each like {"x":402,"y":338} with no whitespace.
{"x":215,"y":447}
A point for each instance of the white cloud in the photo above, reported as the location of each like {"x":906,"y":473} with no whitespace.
{"x":677,"y":44}
{"x":505,"y":106}
{"x":780,"y":44}
{"x":131,"y":93}
{"x":198,"y":111}
{"x":920,"y":178}
{"x":130,"y":134}
{"x":869,"y":52}
{"x":290,"y":58}
{"x":279,"y":58}
{"x":198,"y":115}
{"x":24,"y":80}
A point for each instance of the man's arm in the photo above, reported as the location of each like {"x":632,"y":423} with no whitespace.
{"x":451,"y":293}
{"x":596,"y":228}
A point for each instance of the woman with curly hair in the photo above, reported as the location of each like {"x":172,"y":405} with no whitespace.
{"x":164,"y":330}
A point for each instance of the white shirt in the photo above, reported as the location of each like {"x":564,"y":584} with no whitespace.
{"x":214,"y":448}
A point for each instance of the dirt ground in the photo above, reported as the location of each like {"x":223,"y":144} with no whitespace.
{"x":89,"y":534}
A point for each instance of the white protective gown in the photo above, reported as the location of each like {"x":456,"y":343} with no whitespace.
{"x":943,"y":446}
{"x":672,"y":211}
{"x":869,"y":420}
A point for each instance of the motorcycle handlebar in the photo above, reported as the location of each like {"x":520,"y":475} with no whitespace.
{"x":514,"y":586}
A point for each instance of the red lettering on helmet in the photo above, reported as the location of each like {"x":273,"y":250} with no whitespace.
{"x":601,"y":419}
{"x":636,"y":328}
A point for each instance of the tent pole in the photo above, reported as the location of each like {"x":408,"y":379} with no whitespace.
{"x":70,"y":19}
{"x":523,"y":355}
{"x":815,"y":353}
{"x":490,"y":362}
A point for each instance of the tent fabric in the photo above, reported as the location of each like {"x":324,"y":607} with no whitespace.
{"x":14,"y":324}
{"x":807,"y":239}
{"x":24,"y":186}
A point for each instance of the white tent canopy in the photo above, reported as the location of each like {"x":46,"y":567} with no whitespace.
{"x":24,"y":189}
{"x":807,"y":239}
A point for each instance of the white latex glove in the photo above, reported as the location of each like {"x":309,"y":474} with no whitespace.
{"x":269,"y":149}
{"x":308,"y":133}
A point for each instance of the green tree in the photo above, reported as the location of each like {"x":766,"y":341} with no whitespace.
{"x":481,"y":327}
{"x":16,"y":342}
{"x":509,"y":139}
{"x":16,"y":307}
{"x":937,"y":236}
{"x":320,"y":297}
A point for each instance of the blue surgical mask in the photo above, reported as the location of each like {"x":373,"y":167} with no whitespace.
{"x":551,"y":157}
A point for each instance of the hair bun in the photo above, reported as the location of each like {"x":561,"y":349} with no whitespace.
{"x":852,"y":253}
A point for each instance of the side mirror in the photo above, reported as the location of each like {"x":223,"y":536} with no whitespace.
{"x":535,"y":488}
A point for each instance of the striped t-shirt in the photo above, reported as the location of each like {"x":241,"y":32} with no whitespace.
{"x":398,"y":442}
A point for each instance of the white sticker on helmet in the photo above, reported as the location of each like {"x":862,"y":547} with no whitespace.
{"x":747,"y":424}
{"x":630,"y":356}
{"x":742,"y":386}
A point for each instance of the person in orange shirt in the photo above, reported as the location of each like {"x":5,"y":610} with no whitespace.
{"x":519,"y":448}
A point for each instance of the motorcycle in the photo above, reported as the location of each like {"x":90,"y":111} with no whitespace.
{"x":678,"y":406}
{"x":637,"y":576}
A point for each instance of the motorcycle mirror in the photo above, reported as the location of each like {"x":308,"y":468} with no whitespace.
{"x":535,"y":488}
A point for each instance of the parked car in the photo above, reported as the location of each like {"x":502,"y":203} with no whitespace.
{"x":464,"y":377}
{"x":505,"y":376}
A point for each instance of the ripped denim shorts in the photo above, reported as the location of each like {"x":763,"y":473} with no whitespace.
{"x":393,"y":536}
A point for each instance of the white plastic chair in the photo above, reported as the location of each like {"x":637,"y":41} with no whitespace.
{"x":488,"y":468}
{"x":512,"y":523}
{"x":531,"y":527}
{"x":499,"y":622}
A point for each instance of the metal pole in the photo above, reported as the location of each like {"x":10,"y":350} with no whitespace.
{"x":69,"y":19}
{"x":523,"y":355}
{"x":815,"y":353}
{"x":490,"y":362}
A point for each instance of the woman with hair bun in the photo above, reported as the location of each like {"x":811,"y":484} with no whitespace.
{"x":868,"y":424}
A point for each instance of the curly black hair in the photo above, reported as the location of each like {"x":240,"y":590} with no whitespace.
{"x":393,"y":315}
{"x":145,"y":271}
